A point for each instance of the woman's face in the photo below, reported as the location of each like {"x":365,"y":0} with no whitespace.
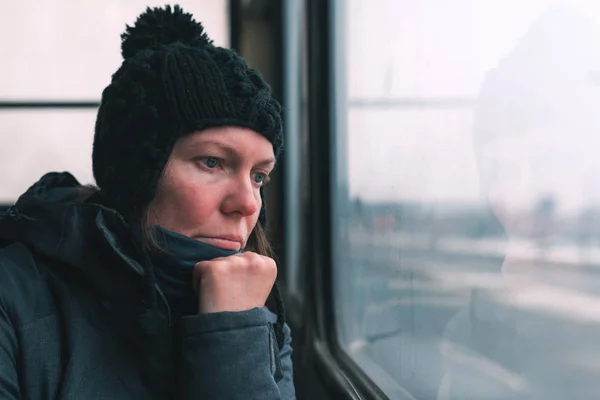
{"x":210,"y":190}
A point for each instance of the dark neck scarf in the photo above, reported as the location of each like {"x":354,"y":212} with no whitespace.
{"x":174,"y":267}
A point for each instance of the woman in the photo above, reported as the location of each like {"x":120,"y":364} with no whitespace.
{"x":153,"y":286}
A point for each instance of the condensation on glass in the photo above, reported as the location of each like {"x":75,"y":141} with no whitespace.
{"x":467,"y":210}
{"x":62,"y":50}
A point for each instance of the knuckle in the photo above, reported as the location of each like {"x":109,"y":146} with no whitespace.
{"x":273,"y":271}
{"x":201,"y":267}
{"x":269,"y":266}
{"x":252,"y":256}
{"x":212,"y":268}
{"x":248,"y":260}
{"x":223,"y":267}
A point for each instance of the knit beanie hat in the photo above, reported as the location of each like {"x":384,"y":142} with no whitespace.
{"x":173,"y":82}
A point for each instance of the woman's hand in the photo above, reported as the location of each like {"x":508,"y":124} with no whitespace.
{"x":235,"y":283}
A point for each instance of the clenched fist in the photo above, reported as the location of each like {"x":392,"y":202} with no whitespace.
{"x":235,"y":283}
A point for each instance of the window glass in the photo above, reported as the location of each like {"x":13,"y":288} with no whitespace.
{"x":39,"y":141}
{"x":467,"y":199}
{"x":66,"y":50}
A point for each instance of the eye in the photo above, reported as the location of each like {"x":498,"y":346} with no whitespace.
{"x":261,"y":178}
{"x":210,"y":162}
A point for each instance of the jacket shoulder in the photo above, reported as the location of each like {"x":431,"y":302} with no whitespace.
{"x":24,"y":292}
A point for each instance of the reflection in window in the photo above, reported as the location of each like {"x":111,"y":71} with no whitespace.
{"x":469,"y":197}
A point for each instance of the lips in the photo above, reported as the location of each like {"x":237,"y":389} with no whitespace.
{"x":226,"y":243}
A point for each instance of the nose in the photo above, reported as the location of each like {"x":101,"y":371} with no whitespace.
{"x":243,"y":197}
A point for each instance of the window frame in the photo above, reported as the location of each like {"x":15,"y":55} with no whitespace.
{"x":31,"y":105}
{"x":327,"y":110}
{"x":294,"y":156}
{"x":340,"y":372}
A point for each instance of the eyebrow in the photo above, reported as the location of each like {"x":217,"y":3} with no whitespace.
{"x":230,"y":151}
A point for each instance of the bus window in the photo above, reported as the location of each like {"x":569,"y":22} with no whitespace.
{"x":467,"y":200}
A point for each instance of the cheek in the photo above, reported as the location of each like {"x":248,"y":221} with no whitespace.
{"x":184,"y":207}
{"x":194,"y":205}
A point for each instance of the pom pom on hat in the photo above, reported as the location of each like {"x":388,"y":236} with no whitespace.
{"x":162,"y":26}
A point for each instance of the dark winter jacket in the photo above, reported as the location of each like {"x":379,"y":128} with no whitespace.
{"x":74,"y":325}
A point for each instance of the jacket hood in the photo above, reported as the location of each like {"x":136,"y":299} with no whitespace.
{"x":88,"y":237}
